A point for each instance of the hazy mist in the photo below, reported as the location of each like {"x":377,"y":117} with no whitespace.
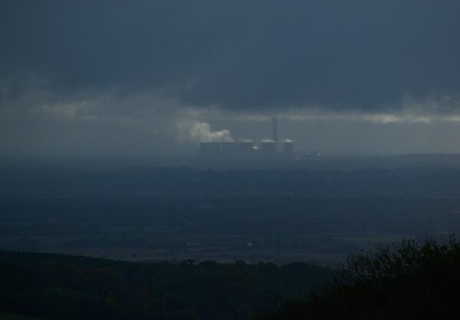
{"x":156,"y":77}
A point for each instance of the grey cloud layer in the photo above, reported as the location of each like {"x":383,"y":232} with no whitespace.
{"x":239,"y":55}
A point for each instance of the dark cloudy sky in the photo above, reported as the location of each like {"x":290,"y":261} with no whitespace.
{"x":156,"y":76}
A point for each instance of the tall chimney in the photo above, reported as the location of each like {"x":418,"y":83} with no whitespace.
{"x":275,"y":132}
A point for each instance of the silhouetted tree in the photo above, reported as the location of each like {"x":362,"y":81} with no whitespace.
{"x":414,"y":280}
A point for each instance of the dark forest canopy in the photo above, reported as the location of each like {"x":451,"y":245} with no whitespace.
{"x":51,"y":286}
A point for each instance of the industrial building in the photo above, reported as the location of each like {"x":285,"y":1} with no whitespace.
{"x":228,"y":150}
{"x":268,"y":148}
{"x":246,"y":149}
{"x":289,"y":148}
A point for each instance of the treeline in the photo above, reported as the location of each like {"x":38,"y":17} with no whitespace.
{"x":415,"y":280}
{"x":50,"y":286}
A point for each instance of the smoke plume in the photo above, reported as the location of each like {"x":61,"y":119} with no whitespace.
{"x":191,"y":130}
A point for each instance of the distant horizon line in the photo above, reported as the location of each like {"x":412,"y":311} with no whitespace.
{"x":197,"y":155}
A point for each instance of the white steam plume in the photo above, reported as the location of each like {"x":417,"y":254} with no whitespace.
{"x":192,"y":130}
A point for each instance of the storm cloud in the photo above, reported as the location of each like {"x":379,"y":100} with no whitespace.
{"x":246,"y":55}
{"x":119,"y":63}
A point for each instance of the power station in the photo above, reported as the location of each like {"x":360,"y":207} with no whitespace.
{"x":247,"y":149}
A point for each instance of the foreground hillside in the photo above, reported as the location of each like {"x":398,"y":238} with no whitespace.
{"x":417,"y":280}
{"x":49,"y":286}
